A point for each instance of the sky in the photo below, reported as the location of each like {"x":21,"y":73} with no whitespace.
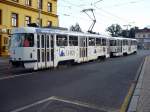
{"x":107,"y":12}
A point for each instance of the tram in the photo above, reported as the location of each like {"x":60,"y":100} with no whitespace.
{"x":120,"y":46}
{"x":38,"y":48}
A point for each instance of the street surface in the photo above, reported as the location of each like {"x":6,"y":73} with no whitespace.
{"x":94,"y":85}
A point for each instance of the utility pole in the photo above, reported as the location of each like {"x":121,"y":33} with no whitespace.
{"x":39,"y":12}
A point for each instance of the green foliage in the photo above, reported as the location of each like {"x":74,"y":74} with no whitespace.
{"x":115,"y":30}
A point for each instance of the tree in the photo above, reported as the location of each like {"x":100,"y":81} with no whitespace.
{"x":115,"y":30}
{"x":76,"y":28}
{"x":129,"y":33}
{"x":132,"y":32}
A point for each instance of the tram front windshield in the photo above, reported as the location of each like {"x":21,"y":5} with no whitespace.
{"x":22,"y":40}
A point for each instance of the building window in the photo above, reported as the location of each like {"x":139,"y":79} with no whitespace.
{"x":14,"y":19}
{"x":49,"y":7}
{"x":28,"y":2}
{"x":40,"y":4}
{"x":5,"y":40}
{"x":49,"y":23}
{"x":148,"y":35}
{"x":144,"y":35}
{"x":27,"y":20}
{"x":0,"y":17}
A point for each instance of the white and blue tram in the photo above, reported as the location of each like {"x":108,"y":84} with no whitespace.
{"x":38,"y":48}
{"x":122,"y":46}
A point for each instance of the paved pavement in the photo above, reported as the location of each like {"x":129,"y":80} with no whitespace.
{"x":140,"y":101}
{"x":102,"y":86}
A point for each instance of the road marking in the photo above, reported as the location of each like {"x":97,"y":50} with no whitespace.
{"x":127,"y":99}
{"x":14,"y":76}
{"x":54,"y":98}
{"x":33,"y":104}
{"x":79,"y":103}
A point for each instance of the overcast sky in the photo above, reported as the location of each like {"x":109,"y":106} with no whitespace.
{"x":107,"y":12}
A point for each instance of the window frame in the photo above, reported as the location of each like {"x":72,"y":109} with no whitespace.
{"x":49,"y":7}
{"x":49,"y":22}
{"x":40,"y":6}
{"x":20,"y":42}
{"x":14,"y":20}
{"x":92,"y":43}
{"x":104,"y":41}
{"x":28,"y":2}
{"x":113,"y":42}
{"x":29,"y":17}
{"x":100,"y":40}
{"x":64,"y":42}
{"x":73,"y":41}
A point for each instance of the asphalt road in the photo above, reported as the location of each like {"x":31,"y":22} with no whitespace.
{"x":102,"y":85}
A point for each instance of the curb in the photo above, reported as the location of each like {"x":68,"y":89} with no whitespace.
{"x":126,"y":104}
{"x":136,"y":95}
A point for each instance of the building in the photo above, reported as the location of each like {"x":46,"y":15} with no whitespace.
{"x":143,"y":36}
{"x":18,"y":13}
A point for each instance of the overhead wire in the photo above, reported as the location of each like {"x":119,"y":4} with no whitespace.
{"x":102,"y":9}
{"x":124,"y":3}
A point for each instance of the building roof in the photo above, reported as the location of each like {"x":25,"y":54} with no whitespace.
{"x":145,"y":30}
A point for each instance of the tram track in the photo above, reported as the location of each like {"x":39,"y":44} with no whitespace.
{"x":8,"y":71}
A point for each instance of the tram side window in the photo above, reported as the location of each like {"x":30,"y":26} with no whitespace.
{"x":38,"y":54}
{"x":73,"y":40}
{"x":124,"y":42}
{"x":38,"y":41}
{"x":52,"y":41}
{"x":61,"y":40}
{"x":42,"y":41}
{"x":98,"y":41}
{"x":135,"y":43}
{"x":120,"y":42}
{"x":104,"y":42}
{"x":47,"y":41}
{"x":112,"y":43}
{"x":91,"y":41}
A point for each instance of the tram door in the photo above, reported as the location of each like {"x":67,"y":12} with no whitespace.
{"x":83,"y":48}
{"x":45,"y":51}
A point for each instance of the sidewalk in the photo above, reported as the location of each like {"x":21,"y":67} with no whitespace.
{"x":140,"y":101}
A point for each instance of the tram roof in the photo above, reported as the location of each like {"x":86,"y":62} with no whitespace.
{"x":54,"y":31}
{"x":63,"y":32}
{"x":121,"y":38}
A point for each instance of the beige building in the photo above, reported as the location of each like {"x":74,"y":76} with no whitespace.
{"x":143,"y":36}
